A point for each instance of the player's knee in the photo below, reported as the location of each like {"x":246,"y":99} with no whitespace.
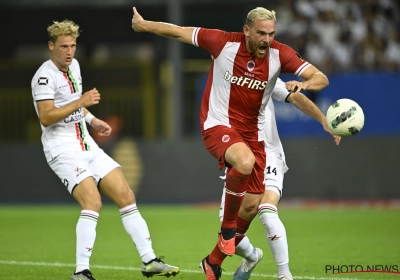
{"x":271,"y":196}
{"x":94,"y":204}
{"x":246,"y":163}
{"x":98,"y":205}
{"x":126,"y":198}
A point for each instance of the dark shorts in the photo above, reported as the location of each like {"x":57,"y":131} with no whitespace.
{"x":219,"y":138}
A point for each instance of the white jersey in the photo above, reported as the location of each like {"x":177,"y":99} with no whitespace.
{"x":272,"y":141}
{"x":71,"y":133}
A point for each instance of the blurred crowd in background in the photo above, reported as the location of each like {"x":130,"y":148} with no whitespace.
{"x":342,"y":35}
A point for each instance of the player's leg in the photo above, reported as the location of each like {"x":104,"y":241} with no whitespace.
{"x":241,"y":158}
{"x":247,"y":212}
{"x":252,"y":256}
{"x":217,"y":256}
{"x":226,"y":145}
{"x":268,"y":213}
{"x":276,"y":233}
{"x":74,"y":171}
{"x":229,"y":148}
{"x":248,"y":208}
{"x":88,"y":196}
{"x":114,"y":186}
{"x":255,"y":190}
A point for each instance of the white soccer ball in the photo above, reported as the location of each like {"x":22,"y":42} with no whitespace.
{"x":345,"y":117}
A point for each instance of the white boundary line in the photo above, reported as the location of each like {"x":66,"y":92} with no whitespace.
{"x":57,"y":264}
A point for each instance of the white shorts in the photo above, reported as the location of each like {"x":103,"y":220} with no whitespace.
{"x":73,"y":167}
{"x":273,"y":175}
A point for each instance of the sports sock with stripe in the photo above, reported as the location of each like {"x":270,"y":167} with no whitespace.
{"x":235,"y":189}
{"x":85,"y":238}
{"x":276,"y":236}
{"x":136,"y":227}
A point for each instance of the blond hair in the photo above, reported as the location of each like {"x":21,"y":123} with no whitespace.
{"x":63,"y":28}
{"x":261,"y":14}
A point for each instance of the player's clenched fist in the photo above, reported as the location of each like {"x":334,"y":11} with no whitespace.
{"x":91,"y":97}
{"x":295,"y":86}
{"x":136,"y":21}
{"x":103,"y":128}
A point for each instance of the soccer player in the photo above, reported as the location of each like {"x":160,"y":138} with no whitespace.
{"x":273,"y":178}
{"x":243,"y":73}
{"x":84,"y":169}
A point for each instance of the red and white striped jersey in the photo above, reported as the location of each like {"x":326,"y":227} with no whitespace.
{"x":71,"y":133}
{"x":239,"y":85}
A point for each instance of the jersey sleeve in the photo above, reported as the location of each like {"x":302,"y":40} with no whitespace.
{"x":280,"y":92}
{"x":43,"y":86}
{"x":291,"y":61}
{"x":212,"y":40}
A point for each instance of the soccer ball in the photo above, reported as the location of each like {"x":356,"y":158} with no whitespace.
{"x":345,"y":117}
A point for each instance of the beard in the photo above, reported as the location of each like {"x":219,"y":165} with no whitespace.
{"x":255,"y":49}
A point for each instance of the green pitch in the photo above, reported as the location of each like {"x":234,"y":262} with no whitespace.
{"x":38,"y":242}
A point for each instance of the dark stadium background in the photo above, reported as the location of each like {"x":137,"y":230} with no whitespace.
{"x":151,"y":89}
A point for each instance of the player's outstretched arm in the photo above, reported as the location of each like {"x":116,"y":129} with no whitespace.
{"x":168,"y":30}
{"x":309,"y":108}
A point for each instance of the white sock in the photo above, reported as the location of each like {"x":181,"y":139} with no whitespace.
{"x":85,"y":237}
{"x":276,"y":236}
{"x":246,"y":250}
{"x":137,"y":228}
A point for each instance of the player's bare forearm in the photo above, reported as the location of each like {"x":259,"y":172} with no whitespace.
{"x":168,"y":30}
{"x":309,"y":108}
{"x":306,"y":106}
{"x":317,"y":82}
{"x":101,"y":126}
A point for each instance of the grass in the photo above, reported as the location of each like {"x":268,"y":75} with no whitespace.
{"x":38,"y":242}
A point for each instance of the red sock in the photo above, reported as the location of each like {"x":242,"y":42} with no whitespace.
{"x":235,"y":186}
{"x":242,"y":227}
{"x":216,"y":256}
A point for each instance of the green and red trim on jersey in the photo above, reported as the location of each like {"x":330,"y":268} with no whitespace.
{"x":80,"y":135}
{"x":73,"y":85}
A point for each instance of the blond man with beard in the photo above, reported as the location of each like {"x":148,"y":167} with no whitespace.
{"x":243,"y":73}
